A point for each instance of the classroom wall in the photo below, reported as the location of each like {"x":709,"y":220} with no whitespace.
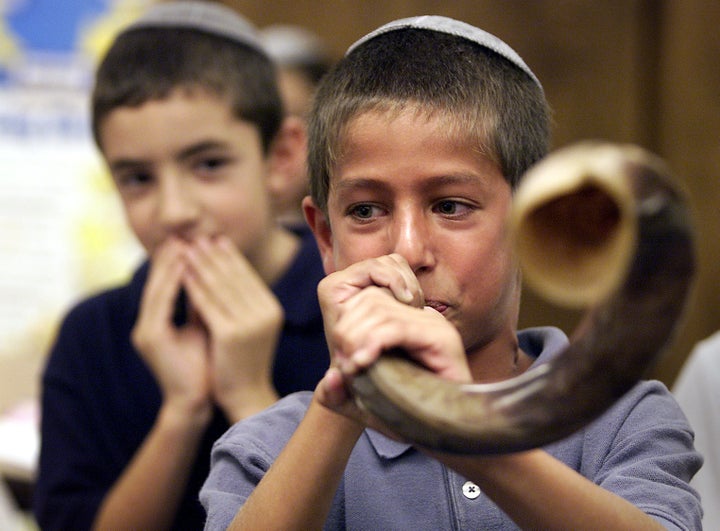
{"x":641,"y":71}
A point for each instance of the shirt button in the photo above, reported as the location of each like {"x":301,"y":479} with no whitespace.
{"x":470,"y":490}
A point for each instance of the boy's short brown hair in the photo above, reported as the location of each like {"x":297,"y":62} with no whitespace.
{"x":482,"y":96}
{"x":148,"y":62}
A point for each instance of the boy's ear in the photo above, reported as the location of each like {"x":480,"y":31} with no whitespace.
{"x":288,"y":155}
{"x":320,"y":225}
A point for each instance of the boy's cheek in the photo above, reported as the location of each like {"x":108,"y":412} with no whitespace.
{"x":328,"y":261}
{"x":342,"y":254}
{"x":324,"y":240}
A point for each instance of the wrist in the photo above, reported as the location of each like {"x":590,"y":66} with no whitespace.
{"x":246,"y":400}
{"x":492,"y":472}
{"x":185,"y":416}
{"x":343,"y":421}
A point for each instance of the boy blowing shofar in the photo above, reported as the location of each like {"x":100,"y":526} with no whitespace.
{"x":417,"y":140}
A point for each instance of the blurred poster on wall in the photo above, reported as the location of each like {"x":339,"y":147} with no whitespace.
{"x":62,"y":233}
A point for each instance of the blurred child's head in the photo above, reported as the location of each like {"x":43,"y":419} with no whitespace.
{"x":189,"y":46}
{"x":302,"y":59}
{"x":441,"y":68}
{"x":188,"y":117}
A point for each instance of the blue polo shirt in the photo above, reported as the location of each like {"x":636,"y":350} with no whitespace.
{"x":640,"y":449}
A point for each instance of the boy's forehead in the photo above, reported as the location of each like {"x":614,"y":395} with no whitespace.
{"x":393,"y":112}
{"x":410,"y":119}
{"x":399,"y":137}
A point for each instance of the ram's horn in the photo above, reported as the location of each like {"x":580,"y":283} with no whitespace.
{"x":599,"y":226}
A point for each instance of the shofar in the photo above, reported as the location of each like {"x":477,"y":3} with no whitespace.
{"x":597,"y":225}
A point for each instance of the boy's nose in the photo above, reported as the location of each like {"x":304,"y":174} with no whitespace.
{"x":177,"y":208}
{"x":411,"y":240}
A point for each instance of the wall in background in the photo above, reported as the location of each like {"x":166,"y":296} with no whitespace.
{"x":62,"y":233}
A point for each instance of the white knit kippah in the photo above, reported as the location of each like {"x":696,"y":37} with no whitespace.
{"x":452,"y":27}
{"x":208,"y":17}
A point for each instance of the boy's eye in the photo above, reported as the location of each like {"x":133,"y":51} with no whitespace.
{"x":452,"y":208}
{"x":447,"y":207}
{"x":133,"y":180}
{"x":364,"y":211}
{"x":211,"y":164}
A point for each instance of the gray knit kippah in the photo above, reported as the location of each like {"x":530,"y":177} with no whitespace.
{"x":452,"y":27}
{"x":208,"y":17}
{"x":293,"y":45}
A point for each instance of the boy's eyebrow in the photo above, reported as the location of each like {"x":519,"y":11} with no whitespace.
{"x":120,"y":165}
{"x":184,"y":154}
{"x":358,"y":183}
{"x":426,"y":184}
{"x":196,"y":149}
{"x":455,"y":179}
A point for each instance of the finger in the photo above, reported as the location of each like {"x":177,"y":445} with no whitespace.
{"x":332,"y":391}
{"x":163,"y":285}
{"x":394,"y":273}
{"x":357,"y":330}
{"x":223,"y":284}
{"x":391,"y":272}
{"x":411,"y":285}
{"x":376,"y":324}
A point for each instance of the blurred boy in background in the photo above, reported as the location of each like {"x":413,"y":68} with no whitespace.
{"x":223,"y":317}
{"x":302,"y":59}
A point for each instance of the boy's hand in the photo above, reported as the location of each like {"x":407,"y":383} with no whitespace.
{"x":373,"y":306}
{"x":243,"y":319}
{"x":176,"y":356}
{"x":391,"y":272}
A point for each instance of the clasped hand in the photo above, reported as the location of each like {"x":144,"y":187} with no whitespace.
{"x":373,"y":306}
{"x":224,"y":353}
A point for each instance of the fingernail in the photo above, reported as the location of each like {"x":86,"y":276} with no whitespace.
{"x":225,"y":242}
{"x":362,"y":357}
{"x":346,"y":366}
